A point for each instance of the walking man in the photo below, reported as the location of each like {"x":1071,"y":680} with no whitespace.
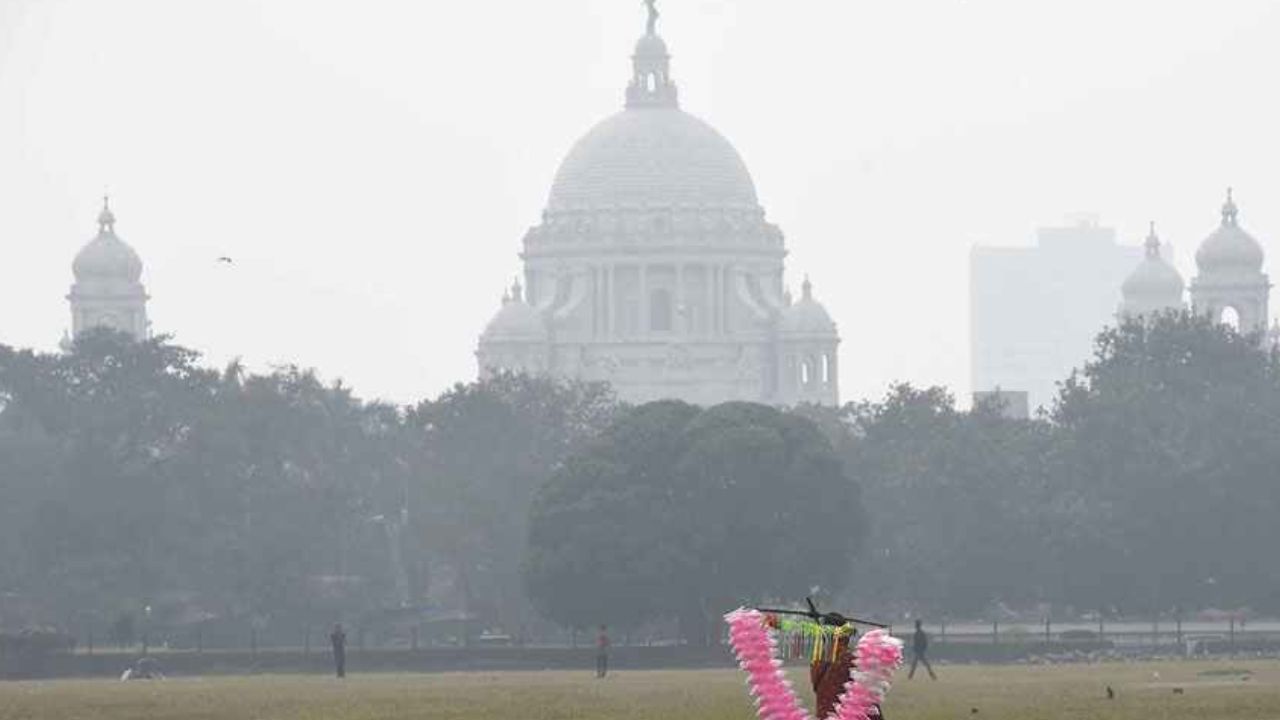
{"x":339,"y":639}
{"x":602,"y":652}
{"x":920,"y":645}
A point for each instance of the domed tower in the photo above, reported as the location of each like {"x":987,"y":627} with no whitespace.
{"x":807,"y":342}
{"x":654,"y":268}
{"x":1154,"y":286}
{"x":108,"y":292}
{"x":515,"y":340}
{"x":1230,"y":285}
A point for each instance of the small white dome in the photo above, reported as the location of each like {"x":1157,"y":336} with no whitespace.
{"x":651,"y":46}
{"x":516,"y":321}
{"x":1155,"y":277}
{"x":806,"y":317}
{"x":1230,"y":247}
{"x":107,"y":257}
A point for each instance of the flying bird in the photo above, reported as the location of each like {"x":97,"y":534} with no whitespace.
{"x":224,"y":259}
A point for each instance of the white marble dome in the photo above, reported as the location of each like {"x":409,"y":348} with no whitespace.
{"x":806,"y":317}
{"x":107,"y":257}
{"x":1154,"y":277}
{"x":516,"y":321}
{"x":652,"y":157}
{"x":1230,"y":247}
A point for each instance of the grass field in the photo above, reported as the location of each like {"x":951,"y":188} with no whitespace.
{"x":1209,"y":690}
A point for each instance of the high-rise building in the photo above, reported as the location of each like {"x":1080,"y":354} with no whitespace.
{"x":654,"y":268}
{"x":1035,"y":311}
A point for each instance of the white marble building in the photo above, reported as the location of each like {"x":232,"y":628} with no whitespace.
{"x":1229,"y":285}
{"x":655,"y":269}
{"x":108,"y":291}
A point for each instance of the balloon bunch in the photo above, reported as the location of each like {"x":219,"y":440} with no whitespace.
{"x":878,"y":654}
{"x":755,"y":644}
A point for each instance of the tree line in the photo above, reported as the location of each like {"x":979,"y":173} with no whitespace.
{"x":132,"y":478}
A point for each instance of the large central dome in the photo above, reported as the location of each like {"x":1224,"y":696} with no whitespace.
{"x":652,"y":156}
{"x":655,"y":270}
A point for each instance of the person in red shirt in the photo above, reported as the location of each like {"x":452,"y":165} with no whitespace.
{"x":602,"y":652}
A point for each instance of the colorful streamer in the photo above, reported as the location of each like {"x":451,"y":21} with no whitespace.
{"x":754,"y":636}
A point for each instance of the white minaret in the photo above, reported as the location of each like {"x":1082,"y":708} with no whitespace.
{"x":107,"y":292}
{"x":1230,"y":281}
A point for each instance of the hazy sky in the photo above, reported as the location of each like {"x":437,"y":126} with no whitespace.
{"x":373,"y":165}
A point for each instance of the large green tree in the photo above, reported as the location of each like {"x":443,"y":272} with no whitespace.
{"x":132,"y":477}
{"x":682,"y":513}
{"x":956,"y":502}
{"x":1169,"y":449}
{"x":483,"y":449}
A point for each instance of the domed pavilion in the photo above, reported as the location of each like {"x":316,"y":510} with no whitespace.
{"x":1230,"y":285}
{"x":108,"y":291}
{"x":655,"y":269}
{"x":1154,"y":286}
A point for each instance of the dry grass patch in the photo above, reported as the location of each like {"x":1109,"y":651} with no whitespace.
{"x":997,"y":693}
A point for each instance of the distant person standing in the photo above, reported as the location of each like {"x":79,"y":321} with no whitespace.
{"x":339,"y":639}
{"x":602,"y":652}
{"x":920,"y":646}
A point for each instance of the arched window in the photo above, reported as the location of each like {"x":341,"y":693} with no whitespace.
{"x":653,"y":82}
{"x":826,"y":369}
{"x":660,"y":310}
{"x":806,"y":372}
{"x":1230,"y":317}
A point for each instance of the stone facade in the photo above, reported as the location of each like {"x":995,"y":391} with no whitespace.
{"x":655,"y":269}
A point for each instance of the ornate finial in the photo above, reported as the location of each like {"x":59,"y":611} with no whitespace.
{"x":1229,"y":209}
{"x":517,"y":291}
{"x":1153,"y":242}
{"x":807,"y":288}
{"x":652,"y":5}
{"x":651,"y":83}
{"x":106,"y":218}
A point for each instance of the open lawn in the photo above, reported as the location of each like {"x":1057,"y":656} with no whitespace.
{"x":1147,"y":691}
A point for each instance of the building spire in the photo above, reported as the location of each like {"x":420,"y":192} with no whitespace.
{"x":806,"y":289}
{"x":106,"y":218}
{"x":1153,"y":243}
{"x":651,"y":85}
{"x":1229,"y":209}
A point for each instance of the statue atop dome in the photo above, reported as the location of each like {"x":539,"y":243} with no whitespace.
{"x":652,"y":6}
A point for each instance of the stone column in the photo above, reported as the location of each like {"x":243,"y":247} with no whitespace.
{"x":682,"y":308}
{"x":610,"y":319}
{"x":708,"y":276}
{"x":644,"y":299}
